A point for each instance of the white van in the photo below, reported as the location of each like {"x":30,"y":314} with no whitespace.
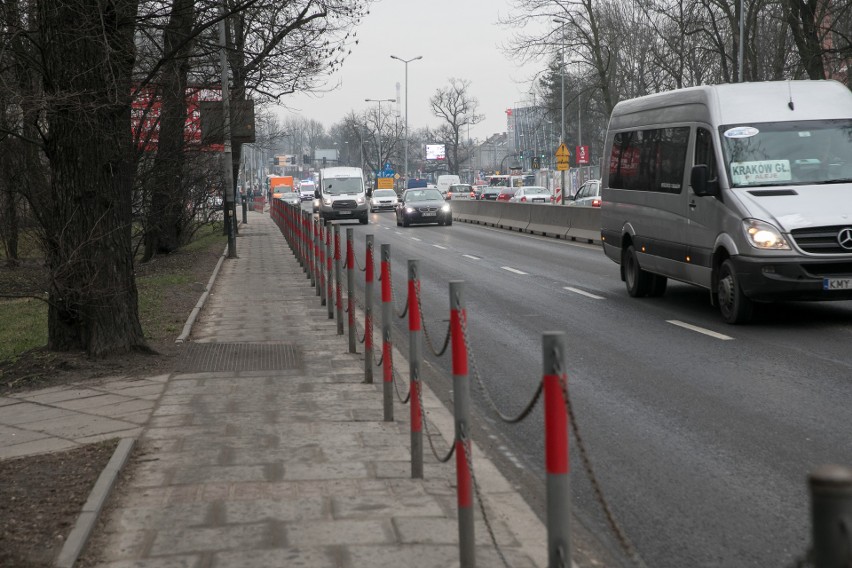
{"x":445,"y":181}
{"x":342,"y":195}
{"x":743,"y":189}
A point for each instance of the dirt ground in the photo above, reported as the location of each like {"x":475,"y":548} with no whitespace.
{"x":41,"y":496}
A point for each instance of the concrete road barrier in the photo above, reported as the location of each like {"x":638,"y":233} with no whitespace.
{"x":514,"y":216}
{"x":549,"y":220}
{"x":585,"y":224}
{"x":467,"y":211}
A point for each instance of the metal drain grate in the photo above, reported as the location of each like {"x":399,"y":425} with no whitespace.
{"x":201,"y":357}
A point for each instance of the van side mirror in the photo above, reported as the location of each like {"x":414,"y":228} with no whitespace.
{"x":316,"y":194}
{"x":701,"y":183}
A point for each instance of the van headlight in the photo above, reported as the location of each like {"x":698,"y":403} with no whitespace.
{"x":326,"y":201}
{"x":764,"y":236}
{"x":360,"y":200}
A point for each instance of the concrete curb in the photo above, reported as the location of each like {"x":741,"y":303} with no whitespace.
{"x":82,"y":530}
{"x":193,"y":315}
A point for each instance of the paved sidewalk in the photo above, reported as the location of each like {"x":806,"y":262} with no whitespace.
{"x":266,"y":448}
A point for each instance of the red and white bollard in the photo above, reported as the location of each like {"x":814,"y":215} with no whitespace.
{"x":556,"y":457}
{"x":387,"y":363}
{"x":415,"y":354}
{"x":368,"y":313}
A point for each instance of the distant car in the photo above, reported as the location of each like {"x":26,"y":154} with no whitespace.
{"x":383,"y":199}
{"x":423,"y":206}
{"x":531,"y":194}
{"x":506,"y":193}
{"x":477,"y":190}
{"x":307,"y":189}
{"x":291,"y":198}
{"x":460,"y":191}
{"x":589,"y":195}
{"x":216,"y":203}
{"x":490,"y":193}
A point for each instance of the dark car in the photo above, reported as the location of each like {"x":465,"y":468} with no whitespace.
{"x":423,"y":206}
{"x":490,"y":193}
{"x":506,"y":193}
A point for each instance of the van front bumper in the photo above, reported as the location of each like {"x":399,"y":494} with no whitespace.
{"x":775,"y":279}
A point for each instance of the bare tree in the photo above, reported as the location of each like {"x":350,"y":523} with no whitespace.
{"x":456,"y":107}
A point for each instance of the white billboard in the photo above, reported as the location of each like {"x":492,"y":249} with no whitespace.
{"x":435,"y":152}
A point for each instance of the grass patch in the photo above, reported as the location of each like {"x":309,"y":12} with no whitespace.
{"x":206,"y":236}
{"x":23,"y":326}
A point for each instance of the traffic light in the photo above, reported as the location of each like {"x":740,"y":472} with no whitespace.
{"x":292,"y":160}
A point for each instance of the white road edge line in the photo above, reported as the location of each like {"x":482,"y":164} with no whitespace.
{"x":684,"y":325}
{"x":414,"y":239}
{"x":439,"y":247}
{"x":470,"y":256}
{"x":510,"y":269}
{"x":583,"y":293}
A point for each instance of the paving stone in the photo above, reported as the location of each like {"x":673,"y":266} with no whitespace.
{"x":385,"y":506}
{"x":281,"y":510}
{"x":340,"y":532}
{"x":285,"y":558}
{"x":234,"y":537}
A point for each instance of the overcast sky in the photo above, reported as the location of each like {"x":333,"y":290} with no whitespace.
{"x":457,"y":38}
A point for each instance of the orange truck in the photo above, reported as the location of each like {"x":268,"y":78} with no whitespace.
{"x":280,"y":184}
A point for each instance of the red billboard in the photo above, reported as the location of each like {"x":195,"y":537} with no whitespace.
{"x":145,"y":117}
{"x":582,"y":154}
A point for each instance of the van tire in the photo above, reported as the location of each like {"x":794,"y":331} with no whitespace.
{"x":638,"y":281}
{"x":734,"y":306}
{"x":363,"y":220}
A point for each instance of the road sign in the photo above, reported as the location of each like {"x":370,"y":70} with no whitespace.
{"x":562,"y":156}
{"x":385,"y":183}
{"x":582,"y":155}
{"x":535,"y":163}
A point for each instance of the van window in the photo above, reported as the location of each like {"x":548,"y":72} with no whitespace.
{"x":649,"y":160}
{"x":788,"y":153}
{"x":704,"y":154}
{"x":339,"y":186}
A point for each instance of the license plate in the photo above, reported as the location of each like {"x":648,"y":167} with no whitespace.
{"x":538,"y":200}
{"x":837,"y":283}
{"x":345,"y":212}
{"x":430,"y":214}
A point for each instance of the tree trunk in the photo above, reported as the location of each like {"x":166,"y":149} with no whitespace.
{"x":164,"y":230}
{"x":88,"y":54}
{"x":802,"y":18}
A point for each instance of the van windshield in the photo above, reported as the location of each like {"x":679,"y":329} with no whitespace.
{"x":788,"y":153}
{"x":340,"y":186}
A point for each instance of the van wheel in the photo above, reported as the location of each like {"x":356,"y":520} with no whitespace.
{"x":733,"y":303}
{"x":637,"y":280}
{"x":658,"y":286}
{"x":363,"y":220}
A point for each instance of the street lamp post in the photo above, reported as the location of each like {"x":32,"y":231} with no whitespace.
{"x":562,"y":109}
{"x":406,"y":61}
{"x":379,"y":131}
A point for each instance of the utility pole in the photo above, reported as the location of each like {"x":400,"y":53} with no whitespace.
{"x":228,"y":209}
{"x":406,"y":61}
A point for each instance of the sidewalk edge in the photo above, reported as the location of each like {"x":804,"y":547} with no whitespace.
{"x":79,"y":535}
{"x":193,"y":315}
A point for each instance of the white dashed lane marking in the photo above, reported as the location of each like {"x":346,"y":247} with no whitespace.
{"x":470,"y":256}
{"x":583,"y":293}
{"x":700,"y":330}
{"x":515,"y":270}
{"x":439,"y":247}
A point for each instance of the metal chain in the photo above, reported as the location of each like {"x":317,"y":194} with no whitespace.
{"x":466,"y":441}
{"x":358,"y":264}
{"x":452,"y":450}
{"x":620,"y":535}
{"x":399,"y":314}
{"x":396,"y":387}
{"x":505,"y":418}
{"x":434,"y":351}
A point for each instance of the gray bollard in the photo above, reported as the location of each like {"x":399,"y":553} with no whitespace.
{"x":557,"y":465}
{"x":309,"y":244}
{"x":461,"y":410}
{"x":415,"y":355}
{"x":329,"y":288}
{"x":387,"y":347}
{"x":317,"y":257}
{"x":303,"y":241}
{"x":322,"y":271}
{"x":350,"y":292}
{"x":368,"y":313}
{"x":338,"y":281}
{"x":245,"y":210}
{"x":831,"y":516}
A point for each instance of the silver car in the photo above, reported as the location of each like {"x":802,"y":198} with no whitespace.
{"x":531,"y":194}
{"x":589,"y":195}
{"x":383,"y":199}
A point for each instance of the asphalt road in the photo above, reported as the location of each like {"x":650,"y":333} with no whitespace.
{"x":701,"y":437}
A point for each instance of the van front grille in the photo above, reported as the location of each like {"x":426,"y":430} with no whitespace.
{"x":824,"y":240}
{"x":825,"y":270}
{"x":344,"y":204}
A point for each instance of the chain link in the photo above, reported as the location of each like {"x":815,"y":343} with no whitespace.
{"x":396,"y":378}
{"x":452,"y":449}
{"x":434,"y":351}
{"x":487,"y":395}
{"x":620,"y":535}
{"x":399,"y":314}
{"x":467,"y":444}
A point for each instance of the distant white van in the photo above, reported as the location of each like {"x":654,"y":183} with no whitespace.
{"x":342,"y":194}
{"x":743,"y":189}
{"x":445,"y":181}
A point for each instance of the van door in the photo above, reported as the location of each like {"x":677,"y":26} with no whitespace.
{"x":705,"y":214}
